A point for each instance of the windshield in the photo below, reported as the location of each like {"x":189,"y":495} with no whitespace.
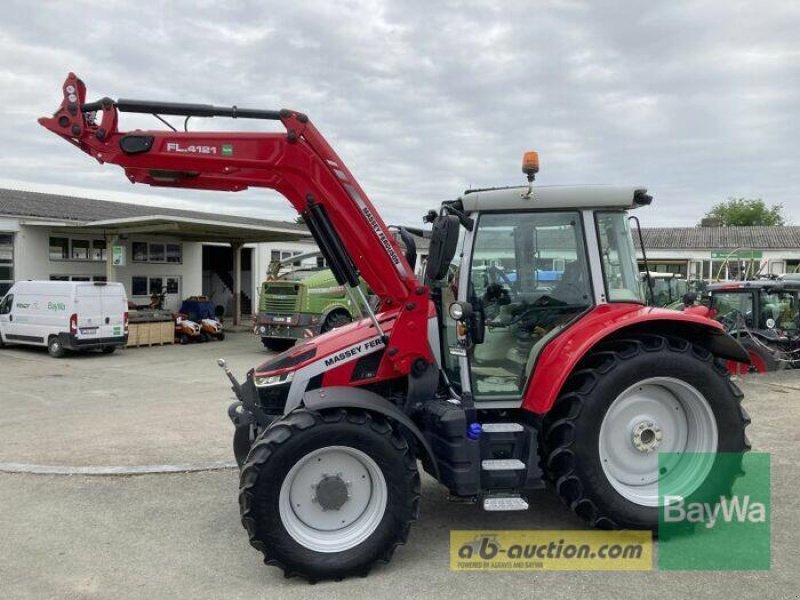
{"x":779,"y":310}
{"x":620,"y":270}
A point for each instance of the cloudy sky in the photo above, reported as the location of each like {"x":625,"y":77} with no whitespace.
{"x":695,"y":100}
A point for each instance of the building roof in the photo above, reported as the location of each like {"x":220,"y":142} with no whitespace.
{"x":84,"y":210}
{"x":687,"y":238}
{"x":103,"y":216}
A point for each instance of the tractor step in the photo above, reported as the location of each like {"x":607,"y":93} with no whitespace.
{"x":502,"y":464}
{"x":502,"y":428}
{"x":504,"y":503}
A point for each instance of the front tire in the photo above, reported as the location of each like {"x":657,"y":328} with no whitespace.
{"x":54,"y":347}
{"x":626,"y":402}
{"x":326,"y":495}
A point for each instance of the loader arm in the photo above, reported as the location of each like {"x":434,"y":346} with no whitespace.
{"x":298,"y":163}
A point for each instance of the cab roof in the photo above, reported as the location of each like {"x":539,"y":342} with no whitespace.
{"x":565,"y":197}
{"x":759,"y":284}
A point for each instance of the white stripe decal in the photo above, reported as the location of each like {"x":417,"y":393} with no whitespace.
{"x":331,"y":361}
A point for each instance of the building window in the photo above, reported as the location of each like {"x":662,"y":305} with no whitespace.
{"x":156,"y":285}
{"x":173,"y":253}
{"x":59,"y":248}
{"x":139,"y":251}
{"x":275,"y":255}
{"x":6,"y":262}
{"x":147,"y":286}
{"x":64,"y":248}
{"x":157,"y":252}
{"x":320,"y":262}
{"x":80,"y":249}
{"x":99,"y":250}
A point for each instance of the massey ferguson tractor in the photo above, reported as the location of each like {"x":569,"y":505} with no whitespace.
{"x":527,"y":358}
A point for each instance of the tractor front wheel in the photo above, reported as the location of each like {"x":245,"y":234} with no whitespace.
{"x":324,"y":495}
{"x":628,"y":402}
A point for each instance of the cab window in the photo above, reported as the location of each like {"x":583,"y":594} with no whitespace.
{"x":620,"y":270}
{"x":734,"y":309}
{"x":6,"y":304}
{"x":529,"y":279}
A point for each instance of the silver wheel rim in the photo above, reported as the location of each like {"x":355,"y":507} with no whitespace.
{"x":657,"y":415}
{"x":312,"y":506}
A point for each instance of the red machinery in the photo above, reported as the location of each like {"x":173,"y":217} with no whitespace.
{"x":546,"y":365}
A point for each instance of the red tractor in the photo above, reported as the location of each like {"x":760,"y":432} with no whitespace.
{"x":528,"y":357}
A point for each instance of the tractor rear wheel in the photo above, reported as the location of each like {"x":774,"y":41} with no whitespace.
{"x":324,"y":495}
{"x":762,"y":359}
{"x":628,"y":401}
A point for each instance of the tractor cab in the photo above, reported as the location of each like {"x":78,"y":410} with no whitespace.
{"x":529,"y":264}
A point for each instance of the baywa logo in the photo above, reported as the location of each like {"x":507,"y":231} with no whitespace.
{"x":720,"y":523}
{"x":736,"y":508}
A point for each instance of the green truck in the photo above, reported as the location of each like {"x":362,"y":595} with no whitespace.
{"x":300,"y":304}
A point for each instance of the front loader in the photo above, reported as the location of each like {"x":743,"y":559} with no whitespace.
{"x":528,"y":358}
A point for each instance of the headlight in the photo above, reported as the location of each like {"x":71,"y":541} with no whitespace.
{"x":456,"y":311}
{"x":269,"y":380}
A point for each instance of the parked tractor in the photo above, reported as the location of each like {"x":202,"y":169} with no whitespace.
{"x":668,"y":289}
{"x":297,"y":304}
{"x":765,"y":316}
{"x":494,"y":389}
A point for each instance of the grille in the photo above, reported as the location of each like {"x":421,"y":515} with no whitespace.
{"x":280,"y":298}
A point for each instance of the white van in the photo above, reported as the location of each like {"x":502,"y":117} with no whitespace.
{"x":65,"y":315}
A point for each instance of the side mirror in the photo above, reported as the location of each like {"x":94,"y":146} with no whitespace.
{"x":221,"y":363}
{"x":444,"y":242}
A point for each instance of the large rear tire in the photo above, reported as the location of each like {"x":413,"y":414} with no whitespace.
{"x":628,"y":401}
{"x":326,"y":495}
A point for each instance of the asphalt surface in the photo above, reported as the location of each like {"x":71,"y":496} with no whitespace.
{"x":179,"y":536}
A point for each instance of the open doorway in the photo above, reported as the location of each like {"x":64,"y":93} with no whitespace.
{"x":218,"y":277}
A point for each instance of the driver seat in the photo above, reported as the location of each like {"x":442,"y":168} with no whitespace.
{"x":571,"y":288}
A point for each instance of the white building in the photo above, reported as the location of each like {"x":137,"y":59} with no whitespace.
{"x":47,"y":236}
{"x":714,"y":253}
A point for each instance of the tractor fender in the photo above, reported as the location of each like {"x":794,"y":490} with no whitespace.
{"x":352,"y":397}
{"x":560,"y":357}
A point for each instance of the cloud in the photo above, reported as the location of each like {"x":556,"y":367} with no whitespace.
{"x":694,"y":100}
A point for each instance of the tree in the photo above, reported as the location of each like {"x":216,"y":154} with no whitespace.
{"x":747,"y":212}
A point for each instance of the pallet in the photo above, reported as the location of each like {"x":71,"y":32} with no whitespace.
{"x":151,"y":334}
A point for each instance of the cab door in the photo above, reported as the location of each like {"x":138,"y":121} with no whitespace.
{"x":528,"y":277}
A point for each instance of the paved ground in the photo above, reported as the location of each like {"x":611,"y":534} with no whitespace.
{"x":178,"y":535}
{"x":164,"y":404}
